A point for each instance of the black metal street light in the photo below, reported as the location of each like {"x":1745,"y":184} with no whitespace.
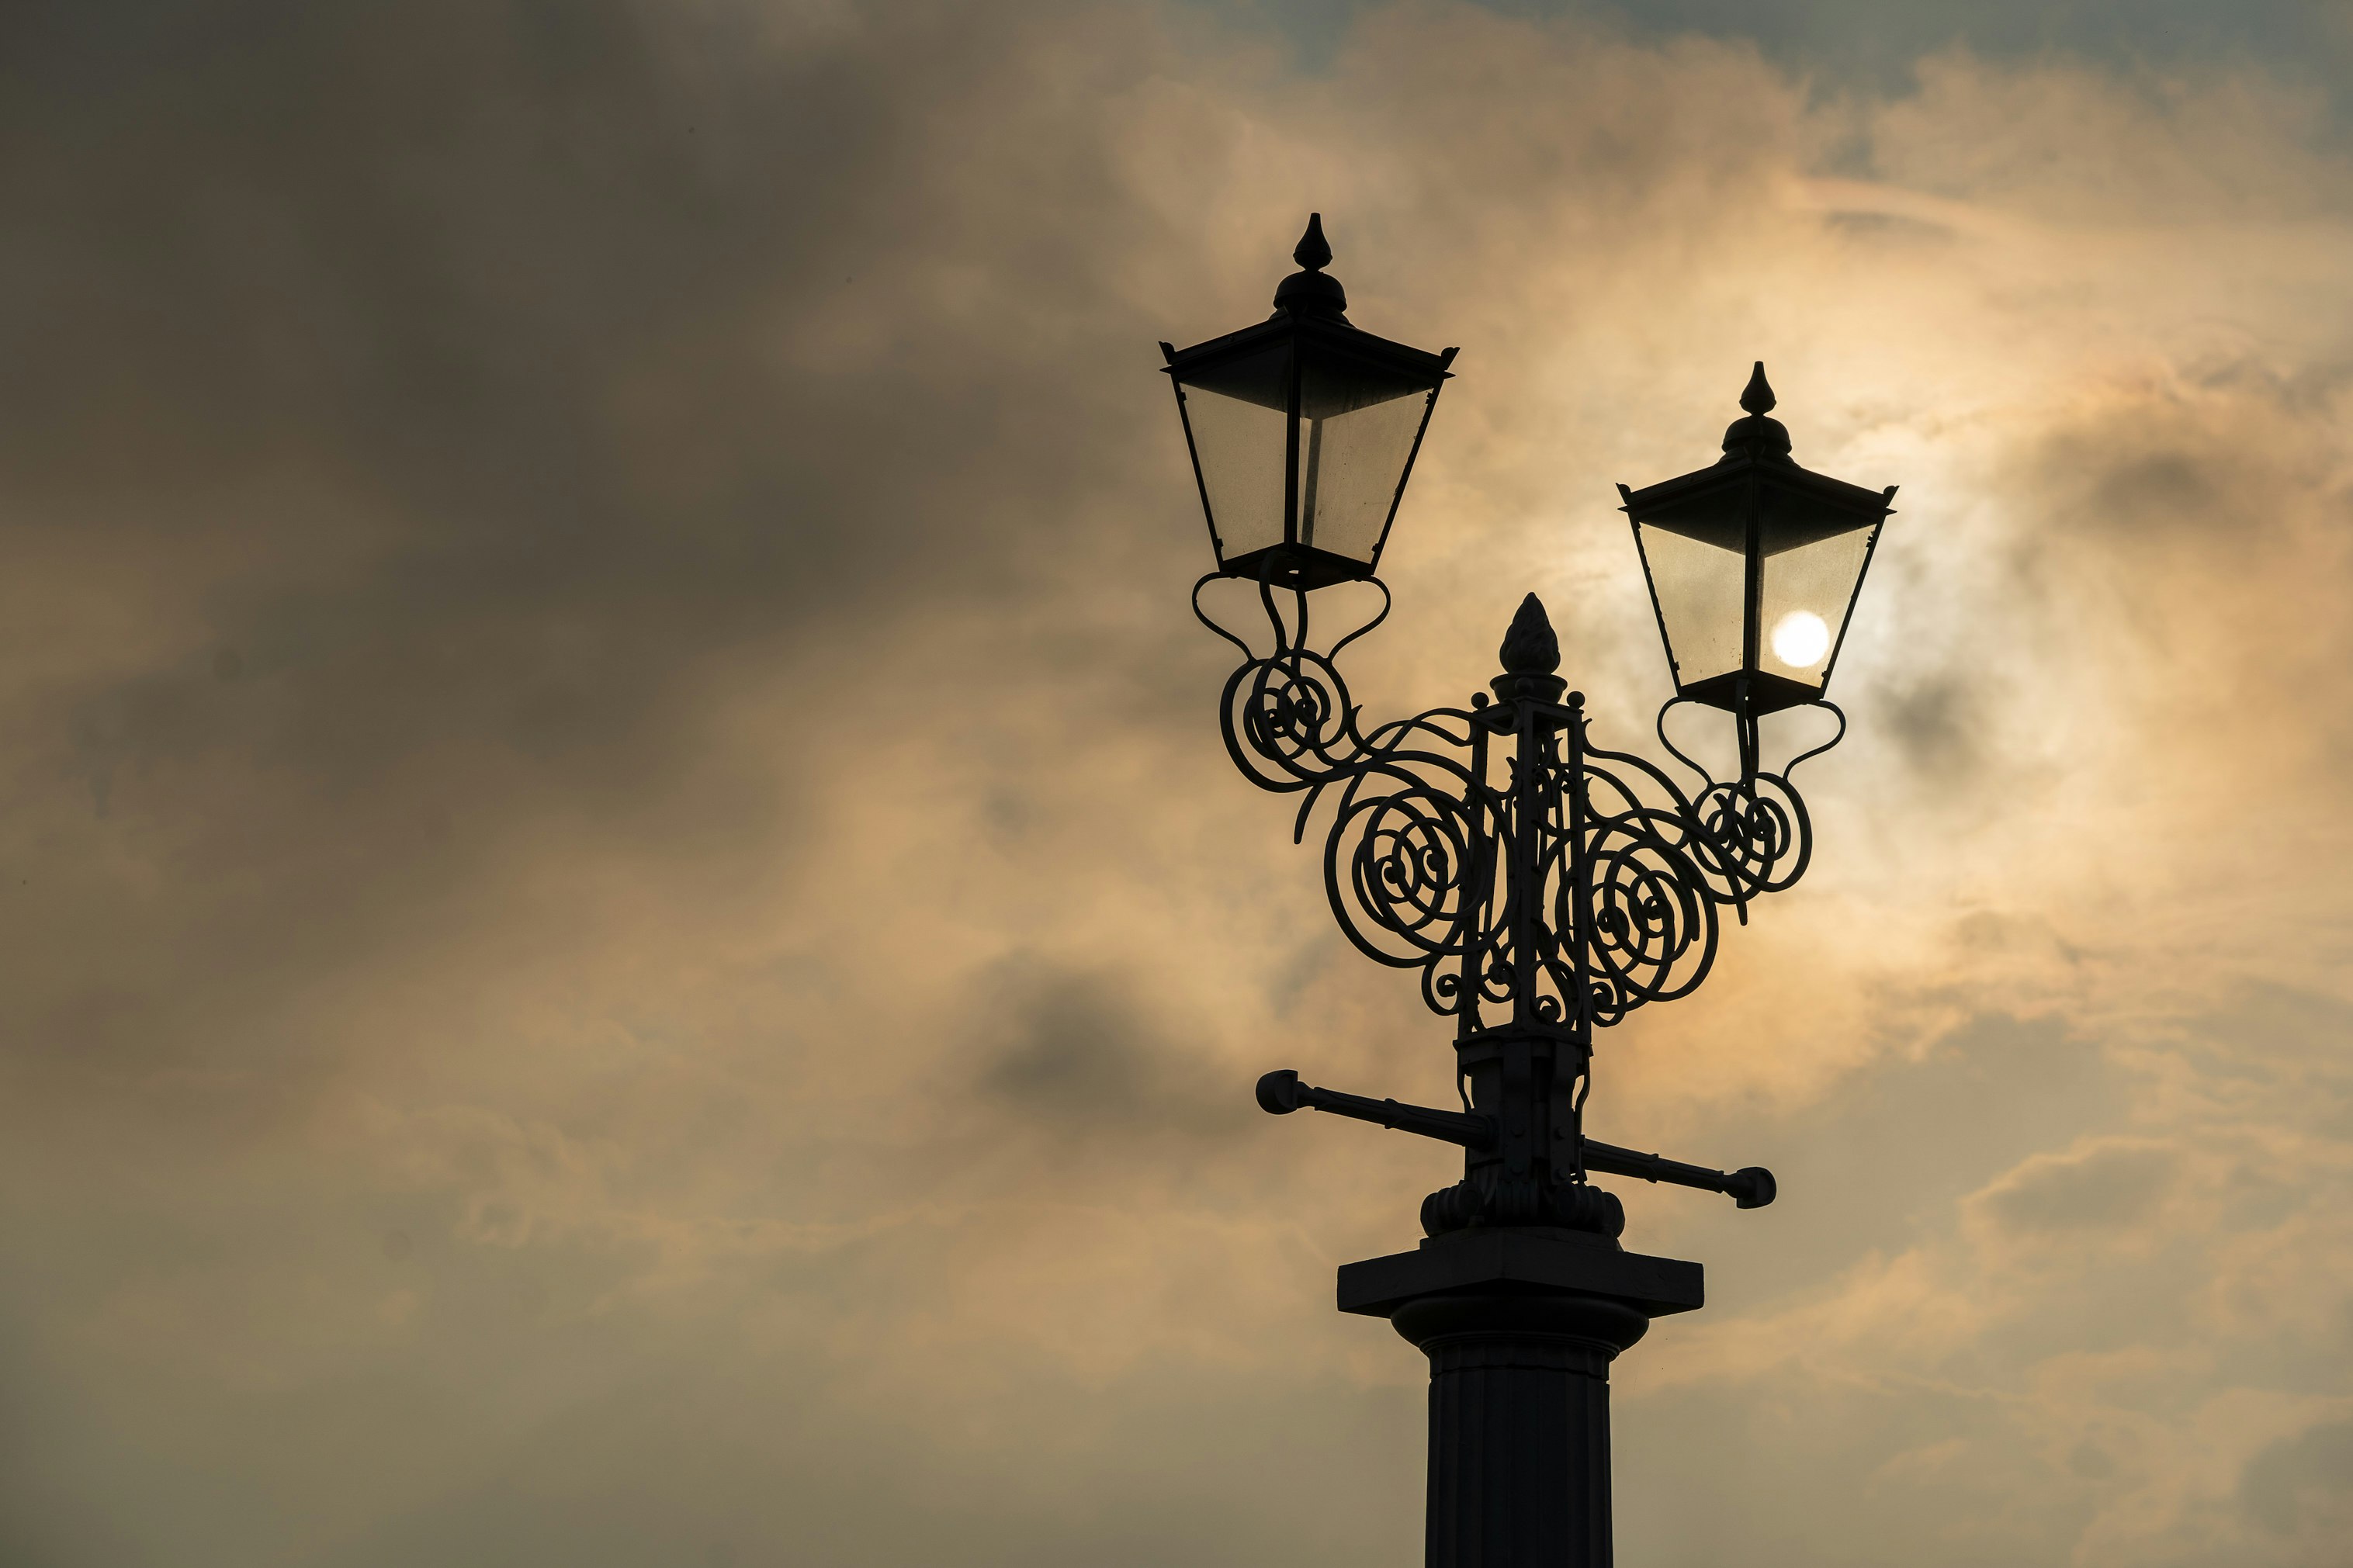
{"x":1302,"y":431}
{"x":1755,"y":564}
{"x":1542,"y":887}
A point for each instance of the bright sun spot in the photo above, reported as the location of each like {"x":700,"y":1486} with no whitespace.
{"x":1801,"y":638}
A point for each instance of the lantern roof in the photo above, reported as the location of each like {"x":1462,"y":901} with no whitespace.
{"x":1310,"y":307}
{"x":1323,"y":331}
{"x":1756,"y":449}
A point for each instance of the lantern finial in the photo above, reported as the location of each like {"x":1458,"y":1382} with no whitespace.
{"x":1755,"y":435}
{"x":1314,"y":251}
{"x":1312,"y":292}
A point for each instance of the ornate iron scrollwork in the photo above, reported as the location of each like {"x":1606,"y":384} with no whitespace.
{"x":1563,"y":883}
{"x":1541,"y":886}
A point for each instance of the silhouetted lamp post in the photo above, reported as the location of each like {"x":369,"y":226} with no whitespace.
{"x":1542,"y":888}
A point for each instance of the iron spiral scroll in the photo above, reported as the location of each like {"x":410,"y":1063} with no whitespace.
{"x":1531,"y":878}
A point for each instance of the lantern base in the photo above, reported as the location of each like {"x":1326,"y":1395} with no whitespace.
{"x":1300,"y":566}
{"x":1767,"y":693}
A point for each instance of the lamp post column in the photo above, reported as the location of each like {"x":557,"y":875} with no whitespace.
{"x":1520,"y":1324}
{"x":1519,"y":1425}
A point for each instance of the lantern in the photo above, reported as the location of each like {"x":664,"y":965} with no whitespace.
{"x":1754,"y":566}
{"x":1302,"y":431}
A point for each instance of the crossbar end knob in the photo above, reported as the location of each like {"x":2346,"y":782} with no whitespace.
{"x":1278,"y":1094}
{"x":1752,"y":1188}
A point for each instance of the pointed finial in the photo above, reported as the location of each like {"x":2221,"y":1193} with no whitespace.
{"x":1313,"y":253}
{"x":1311,"y":290}
{"x":1530,"y":647}
{"x":1754,"y":437}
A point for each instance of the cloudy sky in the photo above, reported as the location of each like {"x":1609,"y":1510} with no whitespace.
{"x":627,"y":941}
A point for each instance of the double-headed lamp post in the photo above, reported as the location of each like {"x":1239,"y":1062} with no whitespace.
{"x":1542,"y":886}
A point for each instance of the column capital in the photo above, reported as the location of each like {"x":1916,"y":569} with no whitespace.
{"x":1522,"y":1261}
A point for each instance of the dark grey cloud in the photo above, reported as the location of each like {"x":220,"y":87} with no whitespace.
{"x":1851,"y":43}
{"x":2302,"y":1482}
{"x":1937,"y":730}
{"x":1083,"y":1055}
{"x":1950,"y":1113}
{"x":435,"y":386}
{"x":2109,"y":1189}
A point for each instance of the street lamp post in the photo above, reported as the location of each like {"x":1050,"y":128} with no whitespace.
{"x":1542,"y":887}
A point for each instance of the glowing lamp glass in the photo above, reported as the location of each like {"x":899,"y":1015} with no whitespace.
{"x":1801,"y":638}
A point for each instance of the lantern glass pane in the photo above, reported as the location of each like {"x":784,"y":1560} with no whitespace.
{"x":1803,"y":602}
{"x":1357,"y":422}
{"x":1235,"y":411}
{"x":1700,"y":579}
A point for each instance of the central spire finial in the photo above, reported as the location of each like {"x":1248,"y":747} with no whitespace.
{"x":1530,"y":647}
{"x":1756,"y":399}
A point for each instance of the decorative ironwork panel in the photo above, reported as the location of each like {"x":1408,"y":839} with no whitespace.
{"x":1560,"y":883}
